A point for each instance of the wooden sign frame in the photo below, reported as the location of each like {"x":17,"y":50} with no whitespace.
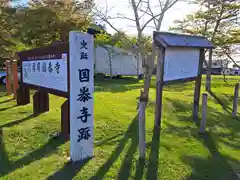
{"x":160,"y":85}
{"x":167,"y":40}
{"x":41,"y":97}
{"x":53,"y":51}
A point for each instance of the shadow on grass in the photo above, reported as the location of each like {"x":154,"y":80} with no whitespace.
{"x":126,"y":166}
{"x":179,"y":105}
{"x":152,"y":173}
{"x":215,"y":167}
{"x":69,"y":171}
{"x":17,"y":121}
{"x":44,"y":151}
{"x":124,"y":171}
{"x":4,"y":109}
{"x":109,"y":140}
{"x":223,"y":102}
{"x":8,"y":100}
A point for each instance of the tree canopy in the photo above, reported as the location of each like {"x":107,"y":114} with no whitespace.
{"x":219,"y":20}
{"x":40,"y":22}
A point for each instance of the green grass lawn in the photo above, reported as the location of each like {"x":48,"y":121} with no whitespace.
{"x":28,"y":151}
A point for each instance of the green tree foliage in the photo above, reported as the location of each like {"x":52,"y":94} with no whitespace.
{"x":7,"y":28}
{"x":51,"y":20}
{"x":216,"y":19}
{"x":41,"y":22}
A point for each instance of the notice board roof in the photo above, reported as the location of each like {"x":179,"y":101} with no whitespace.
{"x":167,"y":39}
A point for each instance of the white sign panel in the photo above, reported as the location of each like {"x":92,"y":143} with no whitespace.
{"x":46,"y":73}
{"x":81,"y":95}
{"x":180,"y":63}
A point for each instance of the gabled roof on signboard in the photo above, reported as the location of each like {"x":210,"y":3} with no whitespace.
{"x":167,"y":39}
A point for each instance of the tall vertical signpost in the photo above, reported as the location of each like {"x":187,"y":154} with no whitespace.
{"x":81,"y":95}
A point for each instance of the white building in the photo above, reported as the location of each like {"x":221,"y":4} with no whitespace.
{"x":116,"y":61}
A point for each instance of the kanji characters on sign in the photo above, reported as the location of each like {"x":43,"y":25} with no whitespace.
{"x":84,"y":95}
{"x":84,"y":133}
{"x":84,"y":56}
{"x":50,"y":69}
{"x":83,"y":45}
{"x":57,"y":67}
{"x":44,"y":67}
{"x":84,"y":75}
{"x":38,"y":67}
{"x":84,"y":115}
{"x":34,"y":67}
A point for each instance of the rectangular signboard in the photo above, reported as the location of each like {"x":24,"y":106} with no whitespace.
{"x":180,"y":63}
{"x":47,"y":73}
{"x":81,"y":95}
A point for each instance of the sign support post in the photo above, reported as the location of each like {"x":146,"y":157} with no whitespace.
{"x":15,"y":77}
{"x":8,"y":78}
{"x":81,"y":95}
{"x":198,"y":83}
{"x":159,"y":87}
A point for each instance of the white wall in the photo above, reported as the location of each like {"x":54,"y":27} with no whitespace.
{"x":123,"y":62}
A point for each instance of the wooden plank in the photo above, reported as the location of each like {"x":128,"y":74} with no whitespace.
{"x":204,"y":113}
{"x":8,"y":77}
{"x":46,"y":102}
{"x":65,"y":121}
{"x":235,"y":100}
{"x":209,"y":68}
{"x":141,"y":125}
{"x":159,"y":87}
{"x":36,"y":103}
{"x":185,"y":80}
{"x":15,"y":77}
{"x":23,"y":95}
{"x":47,"y":90}
{"x":198,"y":83}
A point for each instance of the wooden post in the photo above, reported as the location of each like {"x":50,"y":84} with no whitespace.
{"x":204,"y":113}
{"x":159,"y":87}
{"x":36,"y":103}
{"x":141,"y":125}
{"x":198,"y":83}
{"x":40,"y":102}
{"x":209,"y":68}
{"x":8,"y":77}
{"x":235,"y":100}
{"x":23,"y":95}
{"x":15,"y":77}
{"x":65,"y":121}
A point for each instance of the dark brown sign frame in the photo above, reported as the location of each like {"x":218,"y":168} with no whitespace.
{"x":54,"y":51}
{"x":41,"y":98}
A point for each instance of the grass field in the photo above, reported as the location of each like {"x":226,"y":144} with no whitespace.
{"x":28,"y":151}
